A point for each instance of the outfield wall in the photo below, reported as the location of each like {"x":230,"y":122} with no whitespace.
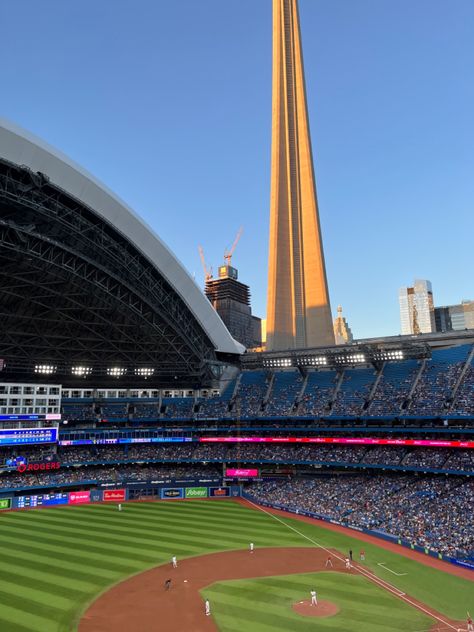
{"x":378,"y":534}
{"x":118,"y":494}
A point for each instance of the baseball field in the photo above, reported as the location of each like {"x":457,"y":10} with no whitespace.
{"x":56,"y":562}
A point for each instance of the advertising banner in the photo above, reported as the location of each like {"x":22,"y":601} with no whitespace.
{"x":5,"y":503}
{"x":36,"y":467}
{"x":426,"y":443}
{"x":96,"y":496}
{"x":219,"y":492}
{"x":172,"y":492}
{"x":241,"y":473}
{"x":77,"y":498}
{"x":195,"y":492}
{"x":114,"y":494}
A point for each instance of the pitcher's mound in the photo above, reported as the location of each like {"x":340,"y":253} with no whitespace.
{"x":323,"y":609}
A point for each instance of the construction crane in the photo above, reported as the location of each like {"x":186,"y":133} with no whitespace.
{"x":228,"y":253}
{"x":207,"y":271}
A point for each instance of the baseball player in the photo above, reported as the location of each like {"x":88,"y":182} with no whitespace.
{"x":120,"y":506}
{"x":314,"y":598}
{"x":470,"y":625}
{"x":348,"y":564}
{"x":350,"y":555}
{"x":207,"y":608}
{"x":362,"y":556}
{"x":174,"y":561}
{"x":329,"y":562}
{"x":167,"y":584}
{"x":251,"y":547}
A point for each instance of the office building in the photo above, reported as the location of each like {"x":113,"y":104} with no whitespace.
{"x":417,"y":308}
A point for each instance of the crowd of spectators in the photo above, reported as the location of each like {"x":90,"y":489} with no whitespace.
{"x":145,"y":411}
{"x":434,"y":388}
{"x":100,"y":474}
{"x":393,"y":388}
{"x":286,"y":388}
{"x":416,"y":457}
{"x":430,"y":511}
{"x":318,"y":394}
{"x":353,"y":392}
{"x":464,"y":401}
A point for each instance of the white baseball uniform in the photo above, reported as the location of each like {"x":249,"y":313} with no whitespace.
{"x":251,"y":547}
{"x":174,"y":561}
{"x":207,"y":608}
{"x":348,"y":563}
{"x":120,"y":507}
{"x":314,"y":599}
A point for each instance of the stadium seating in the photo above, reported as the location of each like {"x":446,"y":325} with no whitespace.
{"x":437,"y":381}
{"x":354,"y":391}
{"x":393,"y":388}
{"x":286,"y":387}
{"x":318,"y":393}
{"x":432,"y":512}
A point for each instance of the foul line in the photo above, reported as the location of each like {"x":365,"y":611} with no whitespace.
{"x":368,"y":574}
{"x":390,"y":570}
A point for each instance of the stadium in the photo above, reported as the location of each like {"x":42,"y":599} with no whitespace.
{"x":143,"y":431}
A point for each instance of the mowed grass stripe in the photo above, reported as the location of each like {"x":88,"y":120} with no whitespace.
{"x":67,"y":562}
{"x":49,"y":565}
{"x":23,"y":593}
{"x":62,"y":589}
{"x":29,"y":620}
{"x":86,"y":558}
{"x":73,"y":538}
{"x":53,"y":579}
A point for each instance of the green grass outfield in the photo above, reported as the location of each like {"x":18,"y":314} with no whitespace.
{"x":55,"y":561}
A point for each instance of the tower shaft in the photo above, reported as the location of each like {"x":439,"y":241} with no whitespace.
{"x":298,"y":310}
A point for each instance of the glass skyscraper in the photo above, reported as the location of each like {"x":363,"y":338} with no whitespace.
{"x":416,"y":308}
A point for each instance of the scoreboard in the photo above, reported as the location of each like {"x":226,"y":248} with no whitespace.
{"x":28,"y":436}
{"x":40,"y":500}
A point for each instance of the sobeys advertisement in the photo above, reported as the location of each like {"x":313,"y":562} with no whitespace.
{"x":196,"y":492}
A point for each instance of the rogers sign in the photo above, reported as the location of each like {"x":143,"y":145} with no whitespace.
{"x":37,"y":467}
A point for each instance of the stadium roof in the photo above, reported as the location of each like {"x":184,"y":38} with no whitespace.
{"x":84,"y":282}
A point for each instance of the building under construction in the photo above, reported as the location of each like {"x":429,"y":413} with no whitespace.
{"x":231,"y":299}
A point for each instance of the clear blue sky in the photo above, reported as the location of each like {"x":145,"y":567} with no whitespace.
{"x":169,"y":104}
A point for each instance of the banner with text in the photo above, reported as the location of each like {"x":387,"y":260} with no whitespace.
{"x":77,"y":498}
{"x":195,"y":492}
{"x":114,"y":494}
{"x":219,"y":492}
{"x":168,"y":493}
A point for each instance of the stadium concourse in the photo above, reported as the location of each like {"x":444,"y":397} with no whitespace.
{"x":118,"y":382}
